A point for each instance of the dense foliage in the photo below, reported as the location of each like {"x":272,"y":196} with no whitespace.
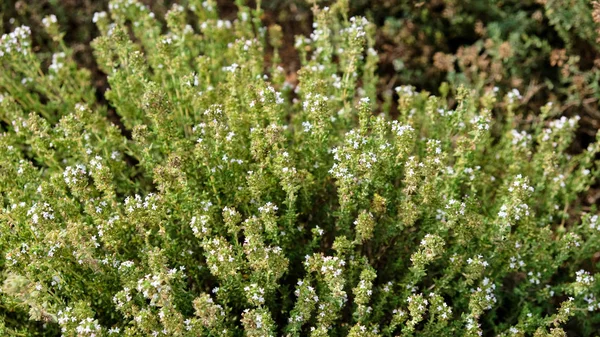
{"x":547,"y":49}
{"x":236,"y":200}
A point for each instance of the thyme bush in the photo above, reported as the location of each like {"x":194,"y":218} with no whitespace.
{"x":233,"y":201}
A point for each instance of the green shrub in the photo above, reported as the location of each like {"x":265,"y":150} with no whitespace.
{"x":233,"y":202}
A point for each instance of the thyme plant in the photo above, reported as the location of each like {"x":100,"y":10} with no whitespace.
{"x":233,"y":199}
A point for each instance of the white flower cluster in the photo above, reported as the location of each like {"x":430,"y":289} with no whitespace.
{"x":399,"y":312}
{"x":219,"y":24}
{"x":306,"y":126}
{"x":64,"y":317}
{"x":98,"y":16}
{"x":301,"y":40}
{"x":319,"y":230}
{"x":231,"y":68}
{"x":220,"y":257}
{"x":207,"y":5}
{"x":12,"y":258}
{"x":44,"y":210}
{"x":270,"y":95}
{"x":584,"y":277}
{"x":289,"y":170}
{"x":419,"y":300}
{"x":471,"y":172}
{"x":357,"y":27}
{"x":16,"y":41}
{"x":18,"y":122}
{"x":481,"y":122}
{"x":592,"y":302}
{"x":594,"y":222}
{"x":201,"y":221}
{"x":309,"y":295}
{"x":333,"y":265}
{"x":255,"y":294}
{"x":269,"y":207}
{"x":387,"y":287}
{"x":321,"y":32}
{"x":367,"y":160}
{"x":226,"y":159}
{"x":561,"y":123}
{"x":85,"y":327}
{"x":516,"y":262}
{"x":445,"y":112}
{"x":434,"y":146}
{"x":96,"y":164}
{"x":521,"y":139}
{"x":534,"y":278}
{"x":438,"y":306}
{"x":412,"y":163}
{"x":109,"y":223}
{"x":513,"y":96}
{"x":124,"y":5}
{"x":473,"y":326}
{"x":154,"y":288}
{"x":478,"y":260}
{"x":100,"y":206}
{"x":26,"y":80}
{"x":521,"y":183}
{"x":200,"y":127}
{"x":314,"y":68}
{"x":114,"y":330}
{"x":123,"y":297}
{"x":517,"y":211}
{"x":453,"y":205}
{"x":486,"y":290}
{"x":354,"y":139}
{"x":188,"y":323}
{"x":259,"y":320}
{"x":440,"y":215}
{"x":206,"y":205}
{"x":89,"y":327}
{"x":354,"y":157}
{"x":75,"y":174}
{"x":58,"y":60}
{"x":126,"y":264}
{"x":405,"y":90}
{"x":557,"y":125}
{"x":130,"y":9}
{"x":49,"y":20}
{"x":337,"y":81}
{"x":431,"y":246}
{"x":516,"y":208}
{"x":227,"y":212}
{"x":560,"y":179}
{"x":53,"y":248}
{"x":149,"y":202}
{"x":364,"y":285}
{"x":401,"y":129}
